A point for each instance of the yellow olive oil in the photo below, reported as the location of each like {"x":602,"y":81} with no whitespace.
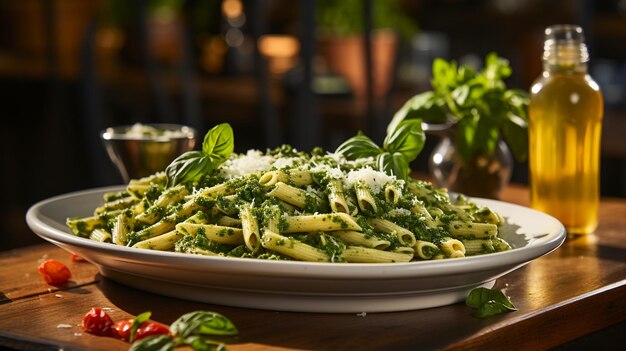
{"x":565,"y":121}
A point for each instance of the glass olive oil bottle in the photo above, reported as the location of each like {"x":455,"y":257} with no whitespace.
{"x":565,"y":120}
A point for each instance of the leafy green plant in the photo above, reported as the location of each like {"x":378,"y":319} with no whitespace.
{"x":345,"y":17}
{"x":479,"y":105}
{"x":217,"y":146}
{"x":190,"y":329}
{"x":400,"y":147}
{"x":489,"y":302}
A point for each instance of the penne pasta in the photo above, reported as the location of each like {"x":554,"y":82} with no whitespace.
{"x":290,"y":205}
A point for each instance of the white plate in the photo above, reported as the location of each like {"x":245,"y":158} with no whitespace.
{"x":299,"y":286}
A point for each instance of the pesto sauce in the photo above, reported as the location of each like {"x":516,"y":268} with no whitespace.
{"x":252,"y":191}
{"x":367,"y":228}
{"x":201,"y":242}
{"x":205,"y":202}
{"x":153,"y":192}
{"x":210,"y":179}
{"x":337,"y":219}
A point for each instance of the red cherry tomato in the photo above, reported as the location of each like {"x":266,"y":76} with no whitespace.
{"x":54,"y":272}
{"x":77,"y":258}
{"x":151,"y":328}
{"x":121,"y":329}
{"x":97,"y":322}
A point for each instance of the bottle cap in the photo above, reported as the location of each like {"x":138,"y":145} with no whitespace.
{"x":565,"y":45}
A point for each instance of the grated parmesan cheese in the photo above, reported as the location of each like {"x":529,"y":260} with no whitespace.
{"x":285,"y":162}
{"x":332,"y":172}
{"x":253,"y":161}
{"x":374,"y":180}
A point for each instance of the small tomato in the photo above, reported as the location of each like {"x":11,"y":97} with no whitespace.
{"x":151,"y":328}
{"x":54,"y":272}
{"x":97,"y":322}
{"x":121,"y":329}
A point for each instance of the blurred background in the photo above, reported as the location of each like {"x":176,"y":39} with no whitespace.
{"x":302,"y":72}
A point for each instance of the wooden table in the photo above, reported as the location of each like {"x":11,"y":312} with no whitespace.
{"x":576,"y":290}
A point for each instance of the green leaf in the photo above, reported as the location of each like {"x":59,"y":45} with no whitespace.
{"x":486,"y":136}
{"x":515,"y":131}
{"x":496,"y":69}
{"x":199,"y":343}
{"x":461,"y":94}
{"x":489,"y":302}
{"x":357,"y":147}
{"x":154,"y":343}
{"x":444,"y":75}
{"x":219,"y":142}
{"x":464,"y":75}
{"x":137,"y":322}
{"x":492,"y":308}
{"x":203,"y":323}
{"x":427,"y":106}
{"x":517,"y":102}
{"x":188,"y":167}
{"x":393,"y":164}
{"x":466,"y":130}
{"x":408,"y":139}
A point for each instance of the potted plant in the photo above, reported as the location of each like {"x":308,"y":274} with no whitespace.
{"x":479,"y":118}
{"x":340,"y":27}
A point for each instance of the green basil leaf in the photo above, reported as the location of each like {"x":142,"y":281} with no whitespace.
{"x":460,"y":95}
{"x":203,"y":323}
{"x":464,"y":75}
{"x":489,"y":302}
{"x":427,"y":106}
{"x":444,"y":75}
{"x":393,"y":164}
{"x":188,"y":167}
{"x":492,"y":308}
{"x":466,"y":130}
{"x":515,"y":131}
{"x":357,"y":147}
{"x":137,"y":322}
{"x":477,"y":297}
{"x":496,"y":69}
{"x":517,"y":101}
{"x":154,"y":343}
{"x":408,"y":139}
{"x":199,"y":343}
{"x":219,"y":142}
{"x":486,"y":136}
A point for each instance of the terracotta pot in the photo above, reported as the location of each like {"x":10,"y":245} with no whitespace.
{"x":24,"y":30}
{"x":346,"y":56}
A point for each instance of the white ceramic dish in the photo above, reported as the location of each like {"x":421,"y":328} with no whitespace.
{"x":299,"y":286}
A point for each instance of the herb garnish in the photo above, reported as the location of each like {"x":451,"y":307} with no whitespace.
{"x":401,"y":146}
{"x":489,"y":302}
{"x":217,"y":146}
{"x":137,"y":322}
{"x":190,"y":329}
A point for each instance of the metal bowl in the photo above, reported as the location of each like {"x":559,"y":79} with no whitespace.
{"x":143,"y":149}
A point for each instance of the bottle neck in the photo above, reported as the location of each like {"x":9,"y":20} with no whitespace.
{"x":565,"y":57}
{"x":564,"y":49}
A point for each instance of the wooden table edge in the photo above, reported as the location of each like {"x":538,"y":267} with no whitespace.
{"x":545,"y":328}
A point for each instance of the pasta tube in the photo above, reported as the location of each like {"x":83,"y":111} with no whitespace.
{"x":321,"y":222}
